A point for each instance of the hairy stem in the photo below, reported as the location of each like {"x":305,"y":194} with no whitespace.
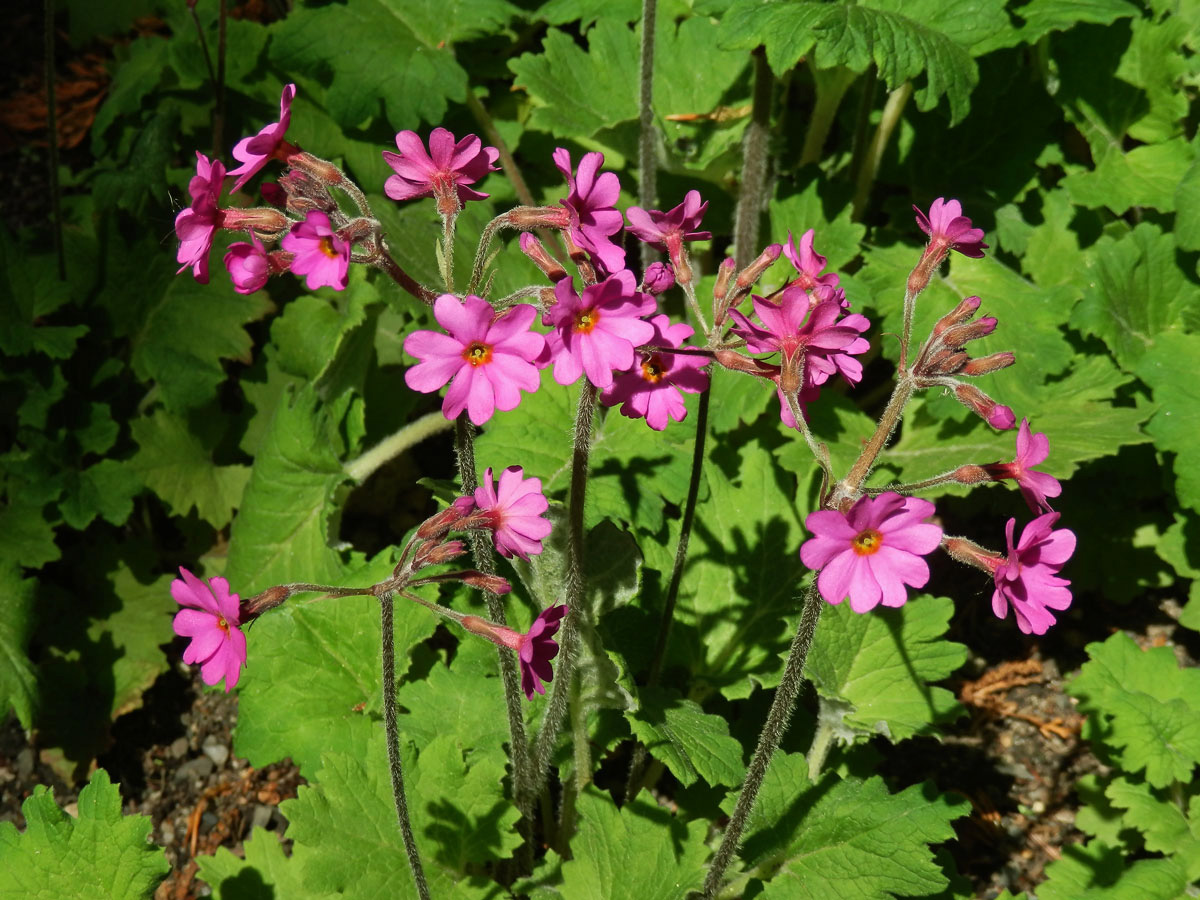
{"x":448,"y":223}
{"x":393,"y":744}
{"x":768,"y":742}
{"x":754,"y":163}
{"x":647,"y":158}
{"x":393,"y":445}
{"x":849,"y":486}
{"x":402,"y":278}
{"x":481,"y":550}
{"x":569,"y":635}
{"x":219,"y":115}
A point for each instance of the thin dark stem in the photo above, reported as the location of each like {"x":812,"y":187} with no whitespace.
{"x":754,"y":165}
{"x":219,"y":117}
{"x":393,"y":744}
{"x":657,"y":660}
{"x":52,"y":129}
{"x":647,"y":158}
{"x":402,"y":278}
{"x":569,"y":635}
{"x":481,"y":551}
{"x":768,"y":742}
{"x":212,"y":74}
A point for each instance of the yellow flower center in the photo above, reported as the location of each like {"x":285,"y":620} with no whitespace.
{"x":326,"y":247}
{"x":653,"y":369}
{"x":477,"y":354}
{"x":586,"y":321}
{"x":867,"y":542}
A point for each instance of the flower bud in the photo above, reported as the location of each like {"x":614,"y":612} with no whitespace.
{"x":260,"y":603}
{"x":754,"y":271}
{"x":658,"y":278}
{"x":971,"y":554}
{"x":961,"y":313}
{"x":724,"y":275}
{"x":432,"y":554}
{"x":959,"y":336}
{"x":262,"y":219}
{"x":527,"y":217}
{"x":534,"y":249}
{"x":986,"y":364}
{"x":443,"y":520}
{"x":998,"y":416}
{"x":492,"y":583}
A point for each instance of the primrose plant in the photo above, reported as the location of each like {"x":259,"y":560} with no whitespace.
{"x":601,"y":326}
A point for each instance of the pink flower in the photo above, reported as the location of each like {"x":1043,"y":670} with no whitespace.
{"x":947,"y":227}
{"x":255,"y":152}
{"x":444,"y":172}
{"x":535,"y":648}
{"x":513,"y":512}
{"x":870,"y":553}
{"x":666,"y":231}
{"x":808,"y":264}
{"x":1032,"y":448}
{"x":319,"y":253}
{"x":651,"y":389}
{"x":196,"y":225}
{"x":591,"y":204}
{"x":490,"y":359}
{"x":597,"y":333}
{"x":248,"y":265}
{"x":211,"y":619}
{"x":814,"y":343}
{"x":1028,"y":577}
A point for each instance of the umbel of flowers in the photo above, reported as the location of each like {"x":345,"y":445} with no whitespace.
{"x":597,"y":322}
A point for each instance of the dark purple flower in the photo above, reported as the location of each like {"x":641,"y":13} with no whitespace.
{"x":514,"y":512}
{"x":248,"y":265}
{"x":535,"y":648}
{"x":591,"y":203}
{"x":666,"y":231}
{"x":657,"y":278}
{"x":809,"y":264}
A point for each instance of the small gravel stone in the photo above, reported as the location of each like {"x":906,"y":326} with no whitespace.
{"x":261,"y":816}
{"x":215,"y":750}
{"x":25,"y":763}
{"x":200,"y":767}
{"x":178,"y":748}
{"x":208,"y":820}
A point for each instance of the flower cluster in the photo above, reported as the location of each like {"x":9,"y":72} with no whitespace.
{"x":512,"y":512}
{"x":869,"y":549}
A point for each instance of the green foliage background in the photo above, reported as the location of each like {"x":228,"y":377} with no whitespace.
{"x":152,"y":422}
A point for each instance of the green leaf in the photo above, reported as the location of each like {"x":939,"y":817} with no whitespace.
{"x":99,"y":854}
{"x":880,"y":664}
{"x":623,"y":853}
{"x":281,"y":530}
{"x":838,"y":239}
{"x":1146,"y":176}
{"x":847,"y":839}
{"x":690,"y":742}
{"x":577,"y":92}
{"x":355,"y":47}
{"x":138,"y":75}
{"x":1156,"y":61}
{"x":135,"y":630}
{"x":18,"y":686}
{"x":106,"y":489}
{"x":1168,"y":368}
{"x":831,"y":35}
{"x":28,"y":537}
{"x":344,"y":824}
{"x":174,"y":463}
{"x":1147,"y":705}
{"x":322,"y":657}
{"x":1167,"y":830}
{"x":266,"y":867}
{"x":742,"y":578}
{"x":1136,"y":292}
{"x":439,"y":23}
{"x":1096,"y":871}
{"x":1040,"y":17}
{"x":1187,"y":206}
